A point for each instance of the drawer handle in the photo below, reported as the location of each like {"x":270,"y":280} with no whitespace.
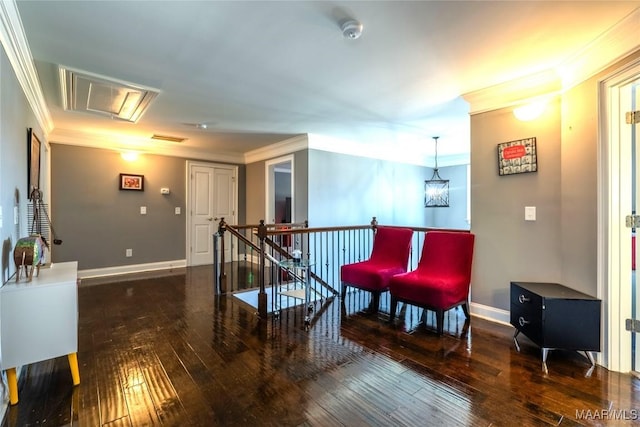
{"x":522,"y":322}
{"x":523,"y":299}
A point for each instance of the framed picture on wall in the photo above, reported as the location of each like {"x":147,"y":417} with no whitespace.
{"x":131,"y":182}
{"x":518,"y":156}
{"x":33,"y":163}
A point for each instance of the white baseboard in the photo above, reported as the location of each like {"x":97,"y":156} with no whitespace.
{"x":134,"y":268}
{"x":490,"y":313}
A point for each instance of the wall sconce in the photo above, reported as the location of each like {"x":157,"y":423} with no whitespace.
{"x":129,"y":156}
{"x":436,"y":189}
{"x":530,"y":111}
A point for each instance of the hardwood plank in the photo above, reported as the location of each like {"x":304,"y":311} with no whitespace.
{"x":166,"y":350}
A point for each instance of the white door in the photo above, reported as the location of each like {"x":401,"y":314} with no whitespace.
{"x":212,"y":196}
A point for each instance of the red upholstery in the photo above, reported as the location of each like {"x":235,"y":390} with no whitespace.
{"x":441,"y":280}
{"x":389,"y":256}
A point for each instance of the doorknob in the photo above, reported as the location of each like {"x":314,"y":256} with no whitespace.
{"x":210,"y":219}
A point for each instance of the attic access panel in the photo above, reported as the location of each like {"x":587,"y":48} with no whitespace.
{"x":94,"y":94}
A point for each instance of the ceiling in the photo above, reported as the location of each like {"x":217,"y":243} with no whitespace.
{"x":261,"y":72}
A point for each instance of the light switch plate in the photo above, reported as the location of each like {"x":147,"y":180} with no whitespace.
{"x":529,"y":213}
{"x":178,"y":211}
{"x":143,"y":210}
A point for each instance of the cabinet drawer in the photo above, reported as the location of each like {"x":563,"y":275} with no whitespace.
{"x":528,"y":320}
{"x":525,"y":298}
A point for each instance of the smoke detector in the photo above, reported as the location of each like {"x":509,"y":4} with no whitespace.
{"x":351,"y":29}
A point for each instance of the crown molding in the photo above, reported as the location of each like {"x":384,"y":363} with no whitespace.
{"x":15,"y":44}
{"x":615,"y":44}
{"x":288,"y":146}
{"x":514,"y":92}
{"x":140,"y":145}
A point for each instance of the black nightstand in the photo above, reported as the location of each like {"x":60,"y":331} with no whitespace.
{"x":556,"y":317}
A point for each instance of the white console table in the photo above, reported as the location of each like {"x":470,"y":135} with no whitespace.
{"x":39,"y":321}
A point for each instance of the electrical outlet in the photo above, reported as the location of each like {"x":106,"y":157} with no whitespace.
{"x":143,"y":210}
{"x":178,"y":211}
{"x":128,"y":253}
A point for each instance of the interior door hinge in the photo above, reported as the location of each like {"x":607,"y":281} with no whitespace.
{"x":632,"y":325}
{"x":632,"y":221}
{"x":632,"y":117}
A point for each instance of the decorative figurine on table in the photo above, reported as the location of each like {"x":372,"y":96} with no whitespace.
{"x":29,"y":256}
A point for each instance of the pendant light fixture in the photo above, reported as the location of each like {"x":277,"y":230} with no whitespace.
{"x":436,"y":189}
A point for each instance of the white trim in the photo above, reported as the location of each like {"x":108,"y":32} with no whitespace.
{"x":288,"y":146}
{"x":618,"y":42}
{"x":15,"y":44}
{"x":615,"y":44}
{"x":514,"y":92}
{"x":490,"y":313}
{"x":614,"y":202}
{"x":269,"y":185}
{"x":141,"y":145}
{"x":134,"y":268}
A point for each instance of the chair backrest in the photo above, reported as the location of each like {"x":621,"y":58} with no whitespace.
{"x":391,"y":246}
{"x":448,"y":253}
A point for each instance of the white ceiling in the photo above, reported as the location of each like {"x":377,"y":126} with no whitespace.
{"x":259,"y":72}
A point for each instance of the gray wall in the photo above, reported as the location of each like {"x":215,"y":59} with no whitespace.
{"x":561,"y":246}
{"x":15,"y":117}
{"x":455,"y":216}
{"x":255,"y":189}
{"x":97,"y":221}
{"x":255,"y":198}
{"x":579,"y":189}
{"x":508,"y":247}
{"x":349,"y":190}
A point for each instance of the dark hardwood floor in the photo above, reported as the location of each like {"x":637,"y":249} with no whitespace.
{"x":167,"y":351}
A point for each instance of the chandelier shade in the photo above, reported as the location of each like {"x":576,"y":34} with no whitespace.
{"x":436,"y":189}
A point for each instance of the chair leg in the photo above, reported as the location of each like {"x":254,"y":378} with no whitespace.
{"x":375,"y":302}
{"x":343,"y":292}
{"x":465,"y":309}
{"x":393,"y":305}
{"x":440,"y":321}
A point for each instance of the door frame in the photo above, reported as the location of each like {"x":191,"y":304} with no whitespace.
{"x":188,"y":203}
{"x":614,"y":239}
{"x":269,"y":182}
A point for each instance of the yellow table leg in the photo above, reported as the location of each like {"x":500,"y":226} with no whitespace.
{"x":73,"y":364}
{"x":12,"y":379}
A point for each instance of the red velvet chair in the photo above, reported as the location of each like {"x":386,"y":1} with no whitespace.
{"x":389,"y":256}
{"x":441,"y":280}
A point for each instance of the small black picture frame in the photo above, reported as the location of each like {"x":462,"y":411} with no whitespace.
{"x":33,"y":163}
{"x":131,"y":182}
{"x":519,"y":156}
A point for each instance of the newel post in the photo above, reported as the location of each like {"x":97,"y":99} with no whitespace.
{"x":262,"y":295}
{"x":222,"y":227}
